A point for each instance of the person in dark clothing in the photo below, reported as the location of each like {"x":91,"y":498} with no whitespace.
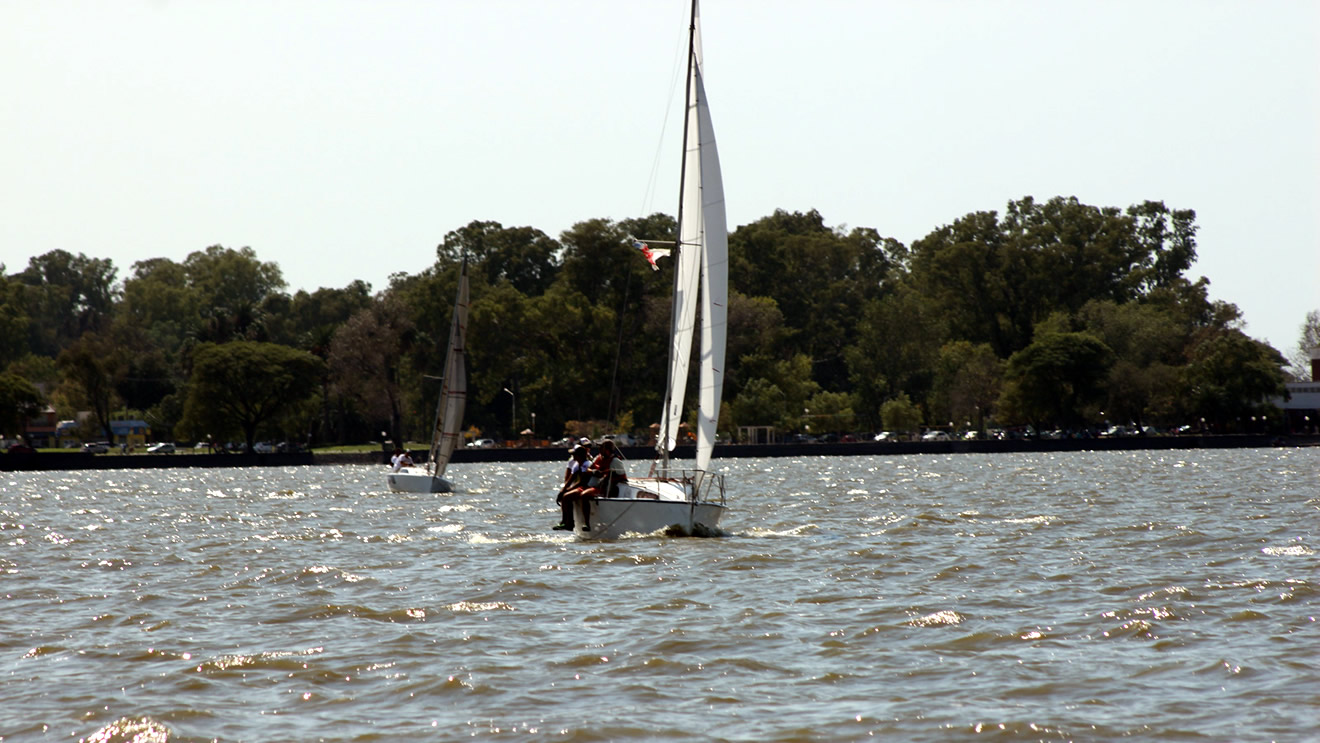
{"x":607,"y":472}
{"x":576,"y":476}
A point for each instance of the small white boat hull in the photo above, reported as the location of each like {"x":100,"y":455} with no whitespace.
{"x":418,"y":480}
{"x":649,"y":505}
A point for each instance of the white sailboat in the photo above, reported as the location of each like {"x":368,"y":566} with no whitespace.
{"x":446,"y":431}
{"x":686,"y":501}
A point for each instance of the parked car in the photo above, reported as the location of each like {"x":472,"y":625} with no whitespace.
{"x":21,"y":448}
{"x":163,"y":447}
{"x":619,"y":439}
{"x":263,"y":447}
{"x":96,"y":447}
{"x":935,"y":436}
{"x":482,"y":444}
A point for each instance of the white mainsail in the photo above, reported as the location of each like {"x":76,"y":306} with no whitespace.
{"x":714,"y":283}
{"x":702,"y":272}
{"x":453,"y":390}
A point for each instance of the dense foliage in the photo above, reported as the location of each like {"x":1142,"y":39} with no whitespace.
{"x":1054,"y":314}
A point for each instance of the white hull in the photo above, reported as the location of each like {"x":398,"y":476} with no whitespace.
{"x":650,"y":505}
{"x":418,"y":480}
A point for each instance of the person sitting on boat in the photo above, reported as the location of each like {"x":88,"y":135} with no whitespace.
{"x":576,"y":476}
{"x":401,"y":460}
{"x":607,"y":472}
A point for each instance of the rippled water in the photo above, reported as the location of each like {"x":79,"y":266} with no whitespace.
{"x":1081,"y":596}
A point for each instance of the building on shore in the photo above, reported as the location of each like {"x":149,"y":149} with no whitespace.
{"x":1301,"y":411}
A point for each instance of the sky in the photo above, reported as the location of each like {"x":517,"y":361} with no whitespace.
{"x":341,"y":139}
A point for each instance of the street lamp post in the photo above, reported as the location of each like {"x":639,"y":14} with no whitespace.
{"x":513,"y":412}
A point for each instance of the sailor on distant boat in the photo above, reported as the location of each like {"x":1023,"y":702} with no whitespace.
{"x":400,"y":460}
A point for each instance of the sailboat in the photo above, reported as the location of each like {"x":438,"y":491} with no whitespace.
{"x":680,"y":500}
{"x":446,"y":431}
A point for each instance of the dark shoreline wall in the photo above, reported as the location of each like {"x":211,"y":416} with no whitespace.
{"x":74,"y":460}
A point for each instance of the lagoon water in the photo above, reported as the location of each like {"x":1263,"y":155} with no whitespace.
{"x":1013,"y":597}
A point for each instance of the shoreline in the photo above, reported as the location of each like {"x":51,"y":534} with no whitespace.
{"x":73,"y":460}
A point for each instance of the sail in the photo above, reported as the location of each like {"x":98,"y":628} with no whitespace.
{"x":714,"y":282}
{"x":453,"y":390}
{"x":701,"y":275}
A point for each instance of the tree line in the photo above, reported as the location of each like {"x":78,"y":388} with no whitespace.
{"x":1055,"y":314}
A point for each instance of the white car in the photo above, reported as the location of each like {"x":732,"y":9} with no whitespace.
{"x":482,"y":444}
{"x":935,"y":436}
{"x":163,"y":447}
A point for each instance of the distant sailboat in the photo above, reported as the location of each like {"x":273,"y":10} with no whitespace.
{"x":447,"y":430}
{"x":690,"y":501}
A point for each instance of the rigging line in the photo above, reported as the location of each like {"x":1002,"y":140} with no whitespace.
{"x":648,"y":194}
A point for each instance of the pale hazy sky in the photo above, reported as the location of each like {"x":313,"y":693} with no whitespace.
{"x":342,"y":139}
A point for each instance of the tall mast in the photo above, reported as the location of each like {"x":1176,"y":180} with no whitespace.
{"x":663,"y":443}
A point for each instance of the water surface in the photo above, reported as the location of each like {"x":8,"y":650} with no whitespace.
{"x":1077,"y":596}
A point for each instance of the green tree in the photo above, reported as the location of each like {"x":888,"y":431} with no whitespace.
{"x":897,"y":345}
{"x":41,"y":371}
{"x":565,"y":359}
{"x":967,"y":382}
{"x":1166,"y":245}
{"x":90,"y":368}
{"x":67,"y":295}
{"x":19,"y":401}
{"x":779,"y":394}
{"x":755,"y":324}
{"x":760,"y":403}
{"x":612,"y":276}
{"x":147,"y":378}
{"x":522,"y":256}
{"x":1056,"y":379}
{"x":900,"y":414}
{"x":161,"y":302}
{"x":831,"y":412}
{"x":996,"y":279}
{"x":1231,"y":377}
{"x":15,"y":325}
{"x":241,"y":386}
{"x":231,"y":278}
{"x":821,"y":278}
{"x":367,"y":363}
{"x":1148,"y":344}
{"x":307,"y":320}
